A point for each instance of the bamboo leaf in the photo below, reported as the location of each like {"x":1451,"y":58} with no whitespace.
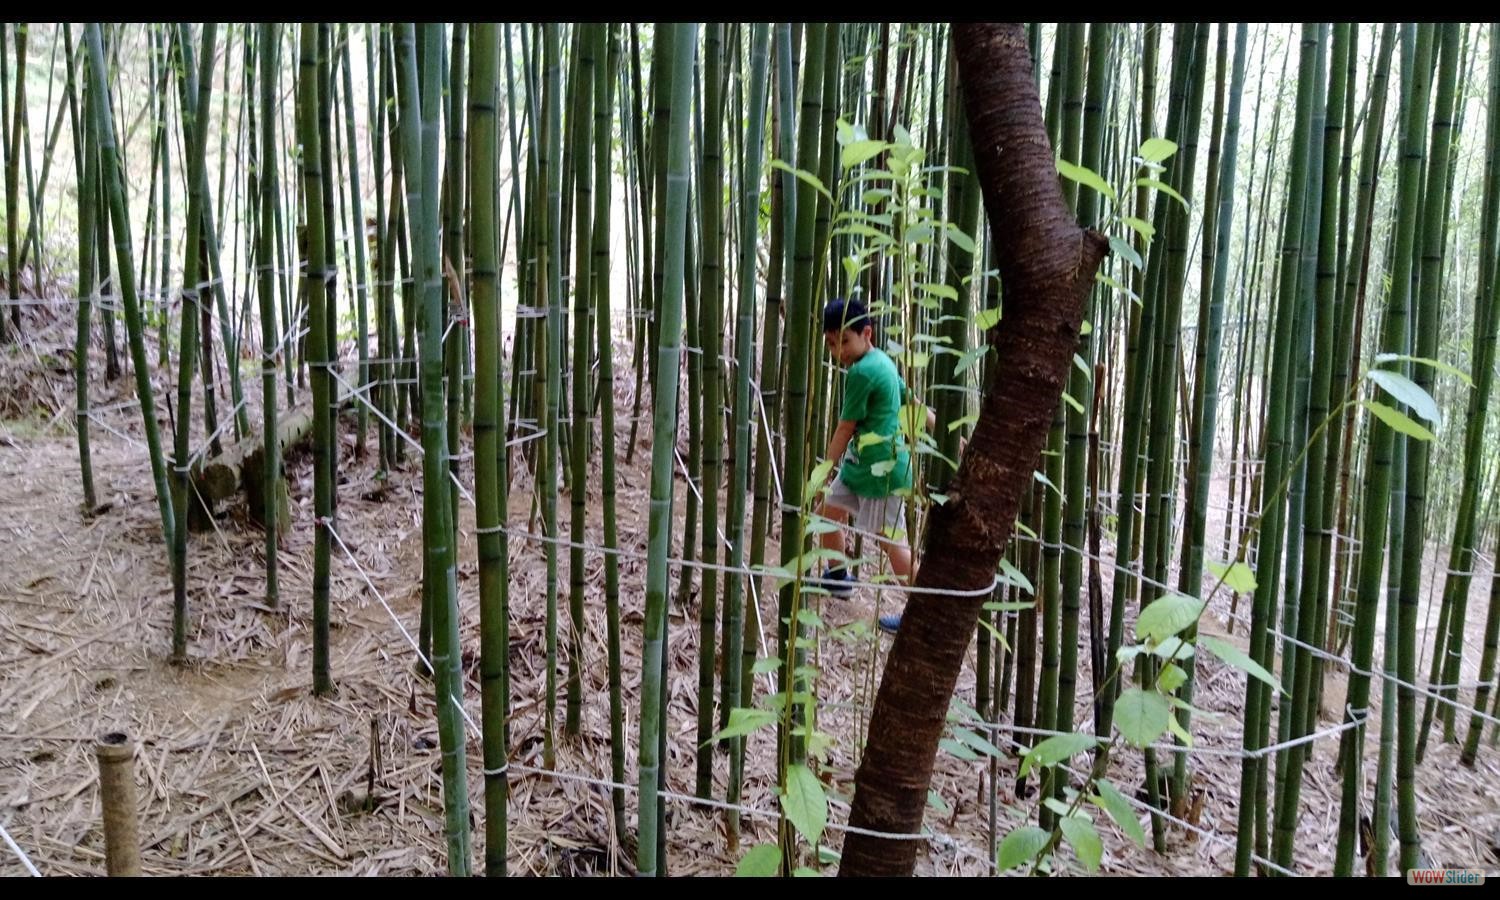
{"x":936,"y":801}
{"x":1460,"y":374}
{"x":1407,"y":391}
{"x":960,"y":240}
{"x":1016,"y":576}
{"x":763,"y":666}
{"x":805,"y":803}
{"x":1165,"y":189}
{"x":1077,"y":407}
{"x":1239,"y":659}
{"x":1084,"y":840}
{"x":978,"y":742}
{"x":987,"y":319}
{"x":967,"y":361}
{"x":1142,"y":716}
{"x":960,"y":423}
{"x":1157,"y":149}
{"x":1177,"y":729}
{"x":947,"y":292}
{"x":958,"y":750}
{"x":804,"y":175}
{"x":763,"y":861}
{"x":816,"y":480}
{"x":1398,"y":420}
{"x":1167,"y":616}
{"x":1020,"y":846}
{"x":1041,"y":476}
{"x":1142,"y":227}
{"x":744,"y":721}
{"x":1113,"y":802}
{"x":1124,"y":249}
{"x":1086,"y":177}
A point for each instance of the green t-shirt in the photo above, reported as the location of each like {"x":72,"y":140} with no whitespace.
{"x":879,"y":465}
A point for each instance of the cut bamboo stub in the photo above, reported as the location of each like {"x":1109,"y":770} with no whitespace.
{"x":122,"y":843}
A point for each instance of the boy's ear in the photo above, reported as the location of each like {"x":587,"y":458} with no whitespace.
{"x":868,"y":333}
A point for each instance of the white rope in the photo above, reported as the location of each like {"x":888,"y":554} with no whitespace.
{"x":20,"y":854}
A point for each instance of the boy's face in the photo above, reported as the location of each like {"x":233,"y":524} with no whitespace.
{"x":848,"y":345}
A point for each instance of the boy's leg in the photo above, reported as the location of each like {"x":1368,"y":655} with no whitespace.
{"x":833,"y":540}
{"x":836,"y":580}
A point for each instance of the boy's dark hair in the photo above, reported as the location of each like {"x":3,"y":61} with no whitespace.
{"x":840,"y":314}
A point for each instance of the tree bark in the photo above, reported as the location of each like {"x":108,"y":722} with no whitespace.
{"x":1047,"y":265}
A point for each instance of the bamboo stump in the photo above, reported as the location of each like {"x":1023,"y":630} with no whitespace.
{"x":122,"y":843}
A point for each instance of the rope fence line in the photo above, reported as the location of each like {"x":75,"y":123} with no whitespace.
{"x":20,"y":854}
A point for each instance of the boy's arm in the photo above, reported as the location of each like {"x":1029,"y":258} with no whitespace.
{"x":840,"y":440}
{"x":908,"y":397}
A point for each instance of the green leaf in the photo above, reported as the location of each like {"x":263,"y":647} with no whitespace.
{"x":845,"y":132}
{"x":1142,"y":716}
{"x":968,"y":360}
{"x":1082,"y":366}
{"x":1077,"y":407}
{"x":1016,"y":576}
{"x":1105,"y":279}
{"x":987,"y":319}
{"x":960,"y":240}
{"x":1026,"y":529}
{"x":936,"y":801}
{"x":1398,"y":420}
{"x":1408,"y":392}
{"x":870,"y":438}
{"x":947,"y":292}
{"x":1157,"y":149}
{"x":806,"y":872}
{"x":1021,"y":846}
{"x":763,"y":861}
{"x":937,"y":498}
{"x":1086,"y":177}
{"x":863,"y":230}
{"x":978,"y":742}
{"x":860,"y":152}
{"x":815,"y":481}
{"x":960,"y":423}
{"x":805,"y":803}
{"x":1167,"y":616}
{"x":874,"y":195}
{"x":1113,"y":802}
{"x":763,"y":666}
{"x":1172,"y":648}
{"x":805,"y":176}
{"x":1239,"y":659}
{"x":1041,"y":476}
{"x":1177,"y":729}
{"x":1436,"y":364}
{"x":1127,"y":653}
{"x":1171,"y":677}
{"x":744,"y":721}
{"x":1084,"y":840}
{"x":1142,"y":227}
{"x":958,"y":750}
{"x":1009,"y":606}
{"x":1055,"y":749}
{"x":1238,"y":576}
{"x":1124,"y":249}
{"x":882,"y":468}
{"x":1165,"y":189}
{"x":1056,"y":805}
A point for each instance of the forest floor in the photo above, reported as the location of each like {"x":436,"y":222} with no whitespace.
{"x":241,"y":770}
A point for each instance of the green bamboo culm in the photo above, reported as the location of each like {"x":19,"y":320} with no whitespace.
{"x":119,"y":220}
{"x":1418,"y":453}
{"x":734,"y":687}
{"x":664,"y":429}
{"x":710,"y":346}
{"x":319,"y":348}
{"x":271,"y":345}
{"x":489,"y":450}
{"x":198,"y":87}
{"x":552,"y":249}
{"x":607,"y":48}
{"x":88,"y":208}
{"x":419,"y":133}
{"x":1416,"y":56}
{"x":582,"y":123}
{"x":1273,"y":517}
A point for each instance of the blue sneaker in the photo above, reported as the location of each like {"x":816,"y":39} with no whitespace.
{"x":890,"y":622}
{"x":838,"y":582}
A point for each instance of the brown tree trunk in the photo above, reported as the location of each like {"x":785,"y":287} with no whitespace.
{"x":1047,"y":265}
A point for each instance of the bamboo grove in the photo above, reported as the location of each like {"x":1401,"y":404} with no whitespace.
{"x":542,"y":269}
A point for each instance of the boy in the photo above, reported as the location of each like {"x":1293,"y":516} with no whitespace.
{"x":876,"y":462}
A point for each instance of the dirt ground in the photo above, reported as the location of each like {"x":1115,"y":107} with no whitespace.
{"x":240,"y":770}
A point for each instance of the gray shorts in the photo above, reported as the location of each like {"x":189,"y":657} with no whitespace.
{"x":880,"y":515}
